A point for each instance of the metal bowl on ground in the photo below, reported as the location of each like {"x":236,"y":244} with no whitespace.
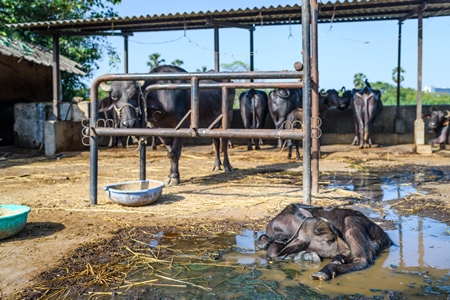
{"x":134,"y":193}
{"x":12,"y":219}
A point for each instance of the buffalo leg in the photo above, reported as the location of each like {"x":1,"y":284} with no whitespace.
{"x":290,"y":145}
{"x":217,"y":163}
{"x":173,"y":152}
{"x":246,"y":117}
{"x":361,"y":133}
{"x":226,"y":162}
{"x":362,"y":246}
{"x":356,"y":122}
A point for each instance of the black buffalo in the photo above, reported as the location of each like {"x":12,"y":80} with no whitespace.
{"x":439,"y":124}
{"x":288,"y":119}
{"x":331,"y":98}
{"x":346,"y":236}
{"x":112,"y":114}
{"x":294,"y":121}
{"x":281,"y":102}
{"x":366,"y":105}
{"x":166,"y":108}
{"x":253,"y":107}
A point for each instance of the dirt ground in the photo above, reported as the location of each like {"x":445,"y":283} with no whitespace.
{"x":264,"y":182}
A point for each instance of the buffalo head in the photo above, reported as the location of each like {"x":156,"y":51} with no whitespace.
{"x":125,"y":98}
{"x":436,"y":119}
{"x":295,"y":230}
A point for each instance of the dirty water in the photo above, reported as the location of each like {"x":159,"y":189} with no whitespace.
{"x":418,"y":265}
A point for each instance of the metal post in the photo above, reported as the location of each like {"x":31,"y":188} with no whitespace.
{"x":93,"y":144}
{"x":56,"y":80}
{"x":143,"y":146}
{"x":252,"y":66}
{"x":194,"y":104}
{"x":216,"y":49}
{"x":419,"y":67}
{"x":125,"y":53}
{"x":419,"y":125}
{"x":315,"y":99}
{"x":306,"y":36}
{"x":397,"y":111}
{"x":225,"y":108}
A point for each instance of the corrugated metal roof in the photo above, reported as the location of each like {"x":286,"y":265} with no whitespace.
{"x":36,"y":54}
{"x":332,"y":11}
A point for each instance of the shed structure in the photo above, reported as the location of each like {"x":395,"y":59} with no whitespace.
{"x":25,"y":76}
{"x":309,"y":12}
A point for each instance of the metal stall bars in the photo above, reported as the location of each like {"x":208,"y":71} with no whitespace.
{"x":94,"y":131}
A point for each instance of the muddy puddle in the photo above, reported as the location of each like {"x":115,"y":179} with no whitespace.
{"x":230,"y":266}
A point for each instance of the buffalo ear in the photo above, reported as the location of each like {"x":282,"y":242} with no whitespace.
{"x":428,"y":116}
{"x":105,"y":104}
{"x":305,"y":213}
{"x":324,"y":227}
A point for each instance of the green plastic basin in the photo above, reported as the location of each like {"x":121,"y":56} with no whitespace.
{"x":12,"y":219}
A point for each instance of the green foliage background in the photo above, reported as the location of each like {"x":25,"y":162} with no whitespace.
{"x":86,"y":51}
{"x":408,"y":96}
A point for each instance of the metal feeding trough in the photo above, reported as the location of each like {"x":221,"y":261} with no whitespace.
{"x":134,"y":193}
{"x":12,"y":219}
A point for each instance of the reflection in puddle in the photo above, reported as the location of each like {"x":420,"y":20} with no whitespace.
{"x":417,"y":265}
{"x":385,"y":186}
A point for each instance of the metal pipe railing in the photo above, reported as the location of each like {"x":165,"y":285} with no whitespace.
{"x":194,"y":85}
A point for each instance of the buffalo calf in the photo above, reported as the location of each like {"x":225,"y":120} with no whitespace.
{"x":346,"y":236}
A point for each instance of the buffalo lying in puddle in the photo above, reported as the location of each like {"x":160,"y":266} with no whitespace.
{"x":303,"y":232}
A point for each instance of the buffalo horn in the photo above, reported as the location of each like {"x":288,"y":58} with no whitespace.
{"x":433,"y":108}
{"x":104,"y":86}
{"x":447,"y":114}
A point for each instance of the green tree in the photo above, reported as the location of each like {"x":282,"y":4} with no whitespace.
{"x":395,"y":75}
{"x":177,"y":62}
{"x":358,"y":80}
{"x":203,"y":69}
{"x":154,"y":60}
{"x":235,"y":66}
{"x":85,"y":50}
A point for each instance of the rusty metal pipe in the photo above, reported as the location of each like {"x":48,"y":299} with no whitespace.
{"x":93,"y":145}
{"x":306,"y":41}
{"x":294,"y":134}
{"x":225,"y":108}
{"x":195,"y":104}
{"x":271,"y":134}
{"x":201,"y":76}
{"x":315,"y":149}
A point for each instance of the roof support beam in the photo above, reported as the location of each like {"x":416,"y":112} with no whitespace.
{"x":82,"y":33}
{"x":56,"y":79}
{"x":306,"y":41}
{"x":414,"y":12}
{"x":315,"y":150}
{"x":210,"y":21}
{"x":216,"y":49}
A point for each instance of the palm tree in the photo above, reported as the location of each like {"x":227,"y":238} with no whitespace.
{"x":203,"y":69}
{"x":395,"y":75}
{"x":154,"y":60}
{"x":177,"y":62}
{"x":358,"y":80}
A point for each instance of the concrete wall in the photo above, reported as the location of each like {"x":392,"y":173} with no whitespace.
{"x":337,"y":127}
{"x":29,"y":119}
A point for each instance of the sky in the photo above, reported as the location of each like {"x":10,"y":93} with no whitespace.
{"x":345,"y":49}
